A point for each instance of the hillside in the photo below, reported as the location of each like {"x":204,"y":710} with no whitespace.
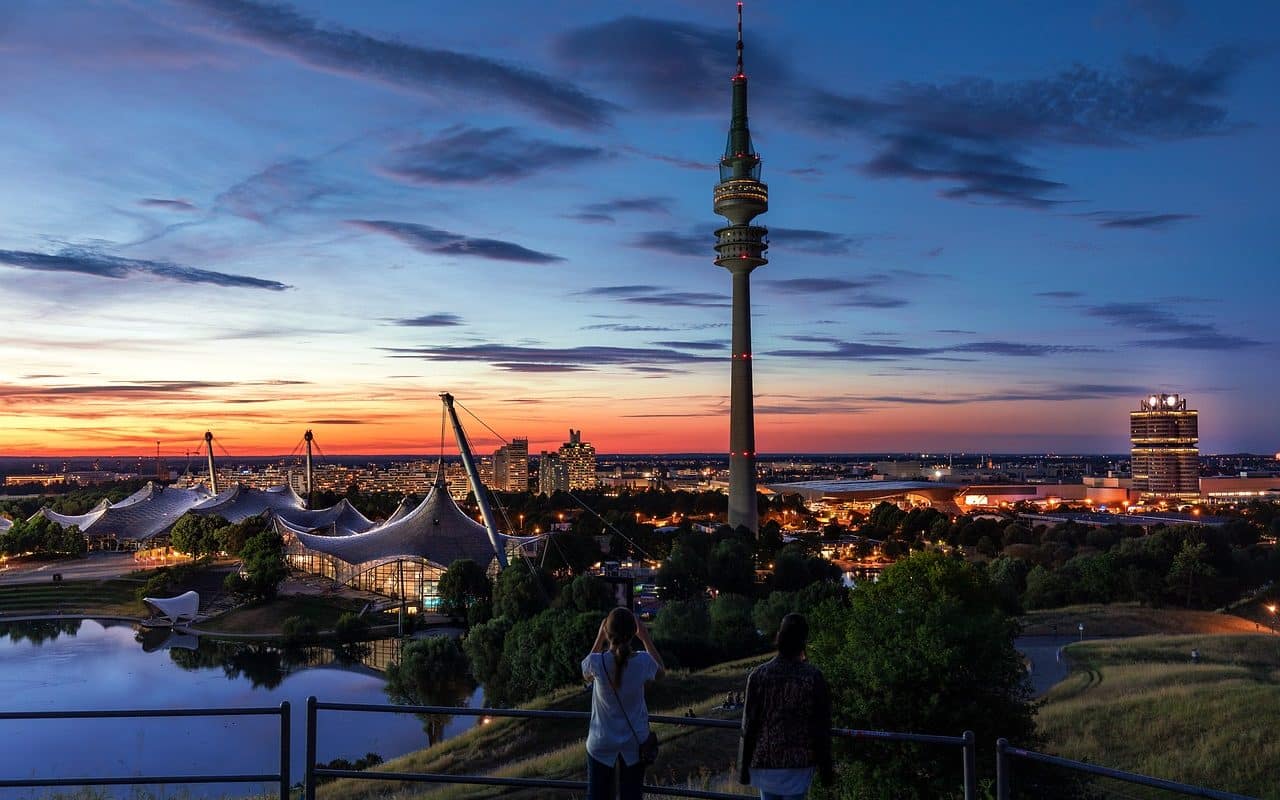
{"x":1131,"y":619}
{"x":1141,"y":705}
{"x":531,"y":748}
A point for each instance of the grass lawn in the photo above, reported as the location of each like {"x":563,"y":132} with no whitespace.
{"x":115,"y":597}
{"x":270,"y":617}
{"x":1131,"y":619}
{"x":698,"y":757}
{"x":1141,"y":705}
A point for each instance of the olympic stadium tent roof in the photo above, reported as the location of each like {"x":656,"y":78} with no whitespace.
{"x":436,"y":530}
{"x":5,"y":524}
{"x":240,"y":502}
{"x":342,"y":519}
{"x":150,"y":511}
{"x":867,"y":490}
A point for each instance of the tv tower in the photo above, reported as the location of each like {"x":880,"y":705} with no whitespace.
{"x":739,"y":198}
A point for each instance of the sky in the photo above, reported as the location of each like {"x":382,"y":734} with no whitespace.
{"x":994,"y":226}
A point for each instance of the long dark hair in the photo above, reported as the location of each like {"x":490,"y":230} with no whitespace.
{"x":619,"y":629}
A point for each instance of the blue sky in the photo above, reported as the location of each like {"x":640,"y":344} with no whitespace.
{"x":994,"y":226}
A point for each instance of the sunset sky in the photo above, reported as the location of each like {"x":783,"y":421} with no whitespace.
{"x":994,"y":225}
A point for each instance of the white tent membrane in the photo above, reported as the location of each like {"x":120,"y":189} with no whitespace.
{"x":175,"y":610}
{"x":5,"y":524}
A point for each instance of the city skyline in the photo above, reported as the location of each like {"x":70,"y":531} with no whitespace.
{"x":260,"y":218}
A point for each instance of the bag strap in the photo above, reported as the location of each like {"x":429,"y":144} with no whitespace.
{"x":621,"y":707}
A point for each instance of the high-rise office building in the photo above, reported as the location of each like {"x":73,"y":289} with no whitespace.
{"x":579,"y":459}
{"x":553,"y":474}
{"x":511,"y":466}
{"x":1165,"y":437}
{"x":740,"y":246}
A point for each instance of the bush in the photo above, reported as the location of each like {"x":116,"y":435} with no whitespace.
{"x":298,"y":629}
{"x":350,"y":627}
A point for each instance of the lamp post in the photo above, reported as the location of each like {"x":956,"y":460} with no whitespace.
{"x":1272,"y":609}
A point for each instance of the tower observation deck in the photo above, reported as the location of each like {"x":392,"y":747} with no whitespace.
{"x":739,"y":197}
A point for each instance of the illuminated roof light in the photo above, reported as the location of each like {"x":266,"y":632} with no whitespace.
{"x":1171,"y":400}
{"x":1153,"y":400}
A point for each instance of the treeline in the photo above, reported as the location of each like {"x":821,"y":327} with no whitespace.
{"x":41,"y":536}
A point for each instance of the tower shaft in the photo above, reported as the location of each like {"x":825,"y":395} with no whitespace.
{"x":742,"y":424}
{"x":213,"y":475}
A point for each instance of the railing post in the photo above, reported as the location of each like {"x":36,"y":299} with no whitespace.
{"x":309,"y":770}
{"x":970,"y":766}
{"x":1002,"y":769}
{"x":285,"y":733}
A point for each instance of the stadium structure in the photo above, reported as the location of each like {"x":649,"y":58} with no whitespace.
{"x":402,"y":557}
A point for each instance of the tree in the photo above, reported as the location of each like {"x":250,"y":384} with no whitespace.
{"x":768,"y":612}
{"x":483,"y":646}
{"x":231,"y":538}
{"x":683,"y":575}
{"x":544,"y":653}
{"x":197,"y":535}
{"x":461,"y":586}
{"x":680,"y":630}
{"x":926,"y":648}
{"x":586,"y":593}
{"x":262,"y":567}
{"x":733,"y":629}
{"x":431,"y":672}
{"x":731,"y":568}
{"x":571,"y":552}
{"x":522,"y":591}
{"x":1190,"y":571}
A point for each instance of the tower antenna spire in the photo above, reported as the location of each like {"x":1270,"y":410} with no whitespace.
{"x":740,"y":69}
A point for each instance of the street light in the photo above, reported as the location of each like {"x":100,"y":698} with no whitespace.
{"x":1272,"y":609}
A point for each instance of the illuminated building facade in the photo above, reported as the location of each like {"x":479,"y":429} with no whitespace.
{"x":553,"y":474}
{"x":511,"y":466}
{"x":1165,"y":437}
{"x":579,"y":459}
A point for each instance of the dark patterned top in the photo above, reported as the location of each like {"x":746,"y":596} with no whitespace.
{"x":786,"y":722}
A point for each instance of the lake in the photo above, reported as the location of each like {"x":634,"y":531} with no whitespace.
{"x":90,"y":665}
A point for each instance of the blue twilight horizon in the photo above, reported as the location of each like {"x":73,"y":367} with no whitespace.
{"x":993,"y":227}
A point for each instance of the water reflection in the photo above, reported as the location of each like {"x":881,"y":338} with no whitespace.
{"x":72,"y":665}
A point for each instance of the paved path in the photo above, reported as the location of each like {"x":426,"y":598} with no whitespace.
{"x":98,"y":566}
{"x":1048,"y":665}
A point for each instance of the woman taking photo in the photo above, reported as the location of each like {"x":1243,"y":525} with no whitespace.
{"x":619,"y":716}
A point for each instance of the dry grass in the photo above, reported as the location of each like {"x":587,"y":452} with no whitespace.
{"x":1140,"y":705}
{"x":1130,"y":619}
{"x":701,"y":758}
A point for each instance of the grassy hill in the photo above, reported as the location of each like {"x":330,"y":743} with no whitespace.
{"x":115,"y":597}
{"x":702,"y":758}
{"x":1141,"y":705}
{"x":1131,"y":619}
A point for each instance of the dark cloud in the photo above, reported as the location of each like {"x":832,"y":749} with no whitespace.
{"x":840,"y":291}
{"x":426,"y":239}
{"x":687,"y":299}
{"x":338,"y":421}
{"x":869,"y":351}
{"x":132,"y":391}
{"x":972,"y":135}
{"x":687,"y":345}
{"x":432,"y":72}
{"x":956,"y":331}
{"x":675,"y":161}
{"x":663,"y":64}
{"x":1116,"y":219}
{"x":700,"y":244}
{"x":463,"y":155}
{"x":90,"y":262}
{"x":625,"y":290}
{"x":169,"y":205}
{"x":608,"y":211}
{"x":1019,"y":349}
{"x":631,"y":328}
{"x":282,"y":188}
{"x":1176,"y":330}
{"x":550,"y":359}
{"x":431,"y":321}
{"x":1058,"y":393}
{"x":650,"y":295}
{"x":824,"y":243}
{"x":1061,"y":294}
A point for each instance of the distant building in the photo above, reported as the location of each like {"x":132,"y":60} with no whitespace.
{"x":553,"y":474}
{"x":579,"y":458}
{"x":1165,"y":438}
{"x":511,"y":466}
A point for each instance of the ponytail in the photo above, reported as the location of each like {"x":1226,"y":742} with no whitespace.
{"x":620,"y":629}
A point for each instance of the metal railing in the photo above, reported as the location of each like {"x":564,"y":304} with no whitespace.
{"x":1005,"y":753}
{"x":966,"y":742}
{"x":281,"y":777}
